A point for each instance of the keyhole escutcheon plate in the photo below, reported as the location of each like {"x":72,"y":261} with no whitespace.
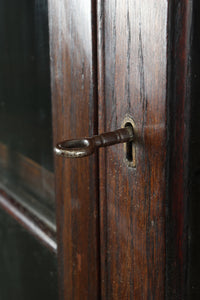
{"x":130,"y":147}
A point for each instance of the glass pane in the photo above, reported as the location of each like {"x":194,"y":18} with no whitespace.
{"x":26,"y":160}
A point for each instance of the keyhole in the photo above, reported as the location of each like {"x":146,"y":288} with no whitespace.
{"x":130,"y":147}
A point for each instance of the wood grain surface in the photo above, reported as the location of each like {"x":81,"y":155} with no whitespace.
{"x":143,"y":54}
{"x":74,"y":93}
{"x":193,"y":257}
{"x":179,"y":101}
{"x":132,"y":61}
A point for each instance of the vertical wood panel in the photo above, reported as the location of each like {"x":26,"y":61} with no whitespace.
{"x":194,"y":160}
{"x":73,"y":74}
{"x":132,"y":48}
{"x":179,"y":92}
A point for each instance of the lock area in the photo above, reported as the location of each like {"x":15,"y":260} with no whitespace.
{"x":130,"y":147}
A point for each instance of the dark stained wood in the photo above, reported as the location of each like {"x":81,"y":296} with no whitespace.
{"x":194,"y":161}
{"x":132,"y":48}
{"x":74,"y":96}
{"x":29,"y":221}
{"x":179,"y":92}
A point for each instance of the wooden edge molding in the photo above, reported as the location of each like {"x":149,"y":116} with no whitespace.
{"x":179,"y":101}
{"x":30,"y":222}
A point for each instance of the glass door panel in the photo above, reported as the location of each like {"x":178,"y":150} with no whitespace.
{"x":26,"y":158}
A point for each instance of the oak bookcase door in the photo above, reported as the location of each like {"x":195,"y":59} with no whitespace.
{"x":123,"y":222}
{"x":123,"y":230}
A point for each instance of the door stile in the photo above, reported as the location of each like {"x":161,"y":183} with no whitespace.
{"x":74,"y":100}
{"x":132,"y":76}
{"x":179,"y":196}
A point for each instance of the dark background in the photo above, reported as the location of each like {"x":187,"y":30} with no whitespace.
{"x":25,"y":99}
{"x":28,"y":270}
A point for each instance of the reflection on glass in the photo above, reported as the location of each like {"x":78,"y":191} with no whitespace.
{"x":26,"y":160}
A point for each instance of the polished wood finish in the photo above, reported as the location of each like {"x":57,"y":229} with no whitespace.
{"x":194,"y":160}
{"x":74,"y":96}
{"x":132,"y":48}
{"x":29,"y":221}
{"x":179,"y":101}
{"x":144,"y":73}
